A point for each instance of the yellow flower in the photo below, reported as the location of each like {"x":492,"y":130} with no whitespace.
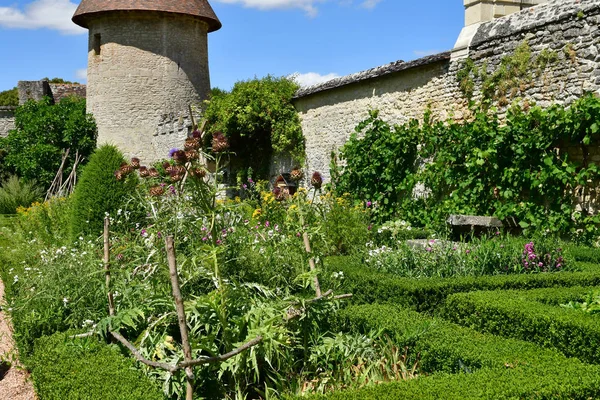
{"x":257,"y":213}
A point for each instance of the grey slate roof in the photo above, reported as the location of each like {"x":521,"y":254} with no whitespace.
{"x":376,"y":72}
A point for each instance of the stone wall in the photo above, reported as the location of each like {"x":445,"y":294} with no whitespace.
{"x":400,"y":91}
{"x":59,"y":91}
{"x":144,"y":70}
{"x":7,"y":120}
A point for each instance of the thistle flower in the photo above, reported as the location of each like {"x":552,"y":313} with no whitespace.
{"x":168,"y":167}
{"x":144,"y":173}
{"x":280,"y":194}
{"x":192,"y":154}
{"x":118,"y":175}
{"x":198,"y":173}
{"x":196,"y":134}
{"x":153,"y":172}
{"x":316,"y":180}
{"x":192,"y":144}
{"x":219,"y":142}
{"x":126,"y":169}
{"x":172,"y":151}
{"x":156,"y":191}
{"x":135,"y":163}
{"x":296,"y":174}
{"x":180,"y":157}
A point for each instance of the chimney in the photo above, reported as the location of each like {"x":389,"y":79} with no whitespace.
{"x":477,"y":11}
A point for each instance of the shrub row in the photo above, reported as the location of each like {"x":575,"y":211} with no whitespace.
{"x":368,"y":286}
{"x":469,"y":365}
{"x":82,"y":369}
{"x":585,"y":254}
{"x":523,"y":315}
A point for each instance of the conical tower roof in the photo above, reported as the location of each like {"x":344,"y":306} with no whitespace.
{"x":197,"y":8}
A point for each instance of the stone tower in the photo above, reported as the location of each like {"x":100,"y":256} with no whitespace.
{"x":477,"y":11}
{"x":147,"y":63}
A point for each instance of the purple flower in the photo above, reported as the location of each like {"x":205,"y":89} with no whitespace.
{"x":267,"y":224}
{"x":298,"y":234}
{"x":245,"y":186}
{"x":467,"y":251}
{"x":172,"y":151}
{"x":144,"y":233}
{"x":204,"y":239}
{"x":250,"y":180}
{"x":429,"y":249}
{"x":219,"y":241}
{"x":369,"y":204}
{"x":159,"y":235}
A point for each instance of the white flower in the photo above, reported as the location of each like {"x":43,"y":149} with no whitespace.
{"x":65,"y":301}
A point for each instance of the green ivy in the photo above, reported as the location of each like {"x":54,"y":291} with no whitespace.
{"x":479,"y":167}
{"x":259,"y":119}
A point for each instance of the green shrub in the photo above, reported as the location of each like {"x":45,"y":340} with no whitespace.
{"x":479,"y":167}
{"x":99,"y":192}
{"x":15,"y":193}
{"x":259,"y":119}
{"x":47,"y":222}
{"x":9,"y":97}
{"x":522,"y":315}
{"x":466,"y":364}
{"x":584,"y":253}
{"x":428,"y":293}
{"x":85,"y":369}
{"x":43,"y":131}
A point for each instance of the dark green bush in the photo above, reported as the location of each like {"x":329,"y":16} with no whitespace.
{"x":584,"y":253}
{"x":523,"y":315}
{"x":482,"y":366}
{"x":43,"y":131}
{"x":82,"y":369}
{"x":99,"y":192}
{"x":428,"y":293}
{"x":9,"y":97}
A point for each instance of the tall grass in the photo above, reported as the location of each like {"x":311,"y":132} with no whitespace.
{"x":15,"y":193}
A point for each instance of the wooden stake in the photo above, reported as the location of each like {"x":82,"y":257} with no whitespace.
{"x":111,"y":302}
{"x":185,"y":342}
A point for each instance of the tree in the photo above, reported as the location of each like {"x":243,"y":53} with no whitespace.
{"x":43,"y":131}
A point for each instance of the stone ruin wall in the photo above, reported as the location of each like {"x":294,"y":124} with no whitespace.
{"x":330,"y":112}
{"x":7,"y":120}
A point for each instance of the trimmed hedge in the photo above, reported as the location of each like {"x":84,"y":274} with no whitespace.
{"x":585,"y":254}
{"x":523,"y":315}
{"x":496,"y":368}
{"x":368,"y":286}
{"x":82,"y":369}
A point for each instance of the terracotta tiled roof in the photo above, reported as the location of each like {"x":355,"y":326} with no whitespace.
{"x":196,"y":8}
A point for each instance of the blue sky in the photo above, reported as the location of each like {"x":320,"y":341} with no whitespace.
{"x":316,"y":39}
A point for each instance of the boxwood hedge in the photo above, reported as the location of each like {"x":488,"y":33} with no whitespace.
{"x":427,"y":294}
{"x":530,"y":315}
{"x":465,"y":364}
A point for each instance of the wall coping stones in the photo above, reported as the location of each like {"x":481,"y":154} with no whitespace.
{"x":8,"y":108}
{"x":533,"y":18}
{"x":372,"y":73}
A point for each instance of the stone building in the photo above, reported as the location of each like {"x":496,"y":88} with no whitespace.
{"x":565,"y":31}
{"x":147,"y":63}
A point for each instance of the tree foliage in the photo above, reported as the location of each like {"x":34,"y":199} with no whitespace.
{"x":259,"y":119}
{"x":43,"y":131}
{"x":9,"y":97}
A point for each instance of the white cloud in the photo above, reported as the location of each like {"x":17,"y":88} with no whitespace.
{"x":312,"y":78}
{"x":51,"y":14}
{"x":370,"y":3}
{"x":425,"y":53}
{"x":81,"y":75}
{"x":309,"y":6}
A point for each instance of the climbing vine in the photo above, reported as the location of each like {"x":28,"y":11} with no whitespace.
{"x":513,"y":75}
{"x":519,"y":169}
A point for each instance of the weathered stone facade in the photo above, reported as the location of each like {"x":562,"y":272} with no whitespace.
{"x":59,"y":91}
{"x":145,"y":72}
{"x":7,"y":120}
{"x":400,"y":91}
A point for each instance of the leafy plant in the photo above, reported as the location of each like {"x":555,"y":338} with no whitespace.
{"x":9,"y":97}
{"x":43,"y":132}
{"x":590,"y":305}
{"x":259,"y":119}
{"x":15,"y":193}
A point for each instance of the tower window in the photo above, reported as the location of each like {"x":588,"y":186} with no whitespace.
{"x":97,"y":44}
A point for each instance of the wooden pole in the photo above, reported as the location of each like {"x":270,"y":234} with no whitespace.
{"x":185,"y":342}
{"x":111,"y":302}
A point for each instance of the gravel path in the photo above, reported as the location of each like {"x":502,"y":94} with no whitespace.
{"x":16,"y":384}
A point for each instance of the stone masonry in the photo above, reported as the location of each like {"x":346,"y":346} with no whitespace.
{"x":7,"y":120}
{"x":400,"y":91}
